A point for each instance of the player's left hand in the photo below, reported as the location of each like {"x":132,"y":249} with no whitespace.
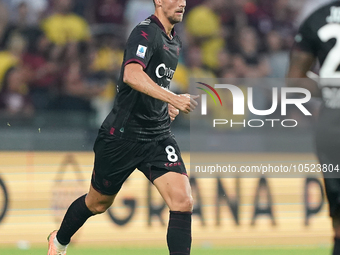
{"x":173,"y":112}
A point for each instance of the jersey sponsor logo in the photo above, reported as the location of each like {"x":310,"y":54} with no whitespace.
{"x":334,"y":16}
{"x":141,"y":51}
{"x":162,"y":71}
{"x":145,"y":35}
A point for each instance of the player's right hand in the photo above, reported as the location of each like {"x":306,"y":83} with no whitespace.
{"x":185,"y":103}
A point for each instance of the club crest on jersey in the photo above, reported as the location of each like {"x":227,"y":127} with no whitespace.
{"x":145,"y":35}
{"x":141,"y":51}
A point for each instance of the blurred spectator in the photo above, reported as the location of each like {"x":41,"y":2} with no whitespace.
{"x":238,"y":14}
{"x":20,"y":25}
{"x":109,"y":55}
{"x":64,"y":26}
{"x":248,"y":49}
{"x":194,"y":69}
{"x":28,"y":11}
{"x":12,"y":57}
{"x":239,"y":66}
{"x":196,"y":65}
{"x":192,"y":4}
{"x":14,"y":99}
{"x":283,"y":15}
{"x":224,"y":62}
{"x":21,"y":19}
{"x":278,"y":58}
{"x":107,"y":11}
{"x":107,"y":62}
{"x":3,"y":25}
{"x":203,"y":25}
{"x":81,"y":7}
{"x":77,"y":88}
{"x":41,"y":71}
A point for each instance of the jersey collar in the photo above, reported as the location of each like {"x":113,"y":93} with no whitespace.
{"x":158,"y":22}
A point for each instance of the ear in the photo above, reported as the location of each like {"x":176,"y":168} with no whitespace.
{"x":158,"y":2}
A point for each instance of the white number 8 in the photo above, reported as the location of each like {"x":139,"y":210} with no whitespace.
{"x":172,"y":156}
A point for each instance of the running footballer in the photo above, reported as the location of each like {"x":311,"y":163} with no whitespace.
{"x":136,"y":133}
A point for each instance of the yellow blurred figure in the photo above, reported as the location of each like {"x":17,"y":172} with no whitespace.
{"x":61,"y":29}
{"x":204,"y":25}
{"x":7,"y":61}
{"x":11,"y":58}
{"x":108,"y":59}
{"x":64,"y":26}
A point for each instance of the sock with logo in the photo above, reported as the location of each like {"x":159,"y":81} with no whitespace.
{"x":74,"y":218}
{"x":179,"y":232}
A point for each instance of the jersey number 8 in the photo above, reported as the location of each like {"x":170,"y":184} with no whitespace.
{"x":172,"y":156}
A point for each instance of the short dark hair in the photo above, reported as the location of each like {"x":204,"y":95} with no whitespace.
{"x":154,"y":2}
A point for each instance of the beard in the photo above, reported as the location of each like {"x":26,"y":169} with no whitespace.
{"x":174,"y":19}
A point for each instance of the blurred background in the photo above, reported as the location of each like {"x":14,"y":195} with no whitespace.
{"x":60,"y":60}
{"x":59,"y":65}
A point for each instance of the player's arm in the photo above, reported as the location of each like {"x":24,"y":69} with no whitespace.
{"x":302,"y":57}
{"x":300,"y":63}
{"x":137,"y":79}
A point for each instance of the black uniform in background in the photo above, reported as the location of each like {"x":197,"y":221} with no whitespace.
{"x":319,"y":35}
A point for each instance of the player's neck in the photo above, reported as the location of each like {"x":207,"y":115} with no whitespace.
{"x":165,"y":22}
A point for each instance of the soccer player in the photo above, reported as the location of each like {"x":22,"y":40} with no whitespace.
{"x":136,"y":133}
{"x":319,"y":38}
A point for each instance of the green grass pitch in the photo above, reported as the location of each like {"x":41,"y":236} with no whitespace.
{"x":163,"y":251}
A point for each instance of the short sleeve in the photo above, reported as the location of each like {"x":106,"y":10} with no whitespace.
{"x":306,"y":40}
{"x":140,"y":45}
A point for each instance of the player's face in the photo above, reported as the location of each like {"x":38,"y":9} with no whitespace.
{"x":174,"y":10}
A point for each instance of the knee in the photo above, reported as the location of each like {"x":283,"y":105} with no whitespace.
{"x":183,"y":204}
{"x":98,"y":203}
{"x":99,"y":208}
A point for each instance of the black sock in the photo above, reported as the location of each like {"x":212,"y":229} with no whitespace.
{"x":74,"y":218}
{"x":179,"y":232}
{"x":336,"y":249}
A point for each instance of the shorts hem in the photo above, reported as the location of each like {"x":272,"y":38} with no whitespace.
{"x":102,"y":192}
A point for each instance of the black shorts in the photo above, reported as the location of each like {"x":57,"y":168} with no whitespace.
{"x":117,"y":158}
{"x":331,"y":159}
